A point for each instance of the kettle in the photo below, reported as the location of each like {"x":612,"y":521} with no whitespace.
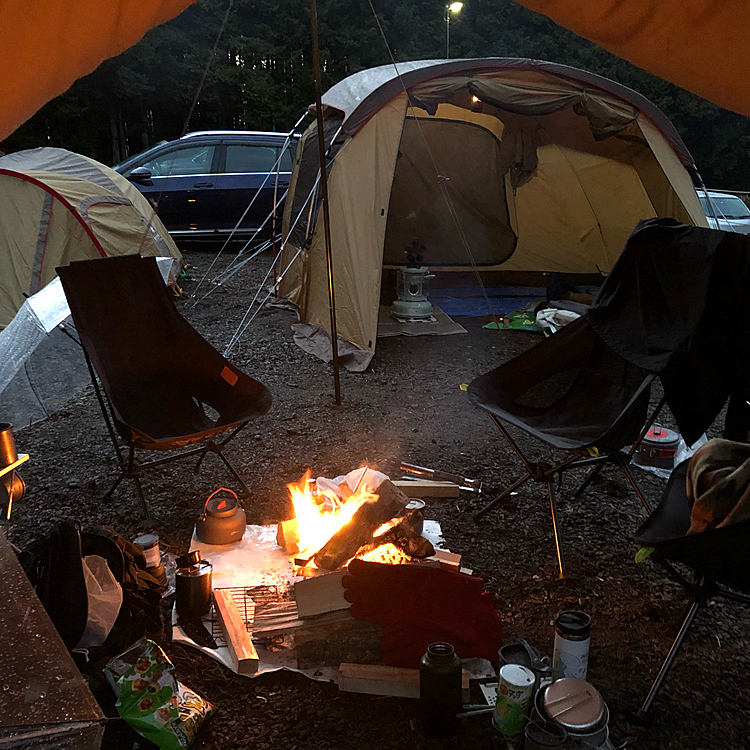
{"x":222,"y":521}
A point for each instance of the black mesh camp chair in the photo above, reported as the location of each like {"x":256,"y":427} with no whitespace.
{"x":573,"y":393}
{"x":718,"y":558}
{"x":159,"y":376}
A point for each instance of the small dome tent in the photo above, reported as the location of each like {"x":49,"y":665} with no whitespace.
{"x":56,"y":207}
{"x":494,"y":164}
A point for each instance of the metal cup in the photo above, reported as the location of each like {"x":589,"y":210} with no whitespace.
{"x":193,"y":588}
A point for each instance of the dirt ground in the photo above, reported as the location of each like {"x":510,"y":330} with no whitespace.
{"x":408,"y":406}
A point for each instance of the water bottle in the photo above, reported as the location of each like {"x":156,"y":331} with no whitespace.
{"x":440,"y":691}
{"x":571,"y":653}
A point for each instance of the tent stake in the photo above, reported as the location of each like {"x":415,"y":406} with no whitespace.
{"x":324,"y":194}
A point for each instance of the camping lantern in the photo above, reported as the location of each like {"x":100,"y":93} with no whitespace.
{"x":411,"y":289}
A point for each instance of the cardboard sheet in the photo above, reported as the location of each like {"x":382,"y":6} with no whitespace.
{"x":438,"y":325}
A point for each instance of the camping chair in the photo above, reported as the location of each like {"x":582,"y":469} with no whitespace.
{"x":573,"y":393}
{"x":719,"y":559}
{"x":157,"y":373}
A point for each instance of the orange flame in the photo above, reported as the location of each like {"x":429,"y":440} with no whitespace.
{"x":387,"y":553}
{"x":323,"y":508}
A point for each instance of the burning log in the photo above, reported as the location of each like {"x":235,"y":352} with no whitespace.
{"x":403,"y":536}
{"x":287,"y":536}
{"x":345,"y":543}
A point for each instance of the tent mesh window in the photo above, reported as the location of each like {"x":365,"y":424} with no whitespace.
{"x":418,"y":208}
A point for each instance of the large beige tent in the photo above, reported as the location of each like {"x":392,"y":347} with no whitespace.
{"x":494,"y":164}
{"x":56,"y":207}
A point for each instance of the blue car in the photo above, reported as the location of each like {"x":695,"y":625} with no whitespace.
{"x":202,"y":183}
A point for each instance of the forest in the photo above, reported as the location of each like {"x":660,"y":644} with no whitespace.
{"x":261,"y":78}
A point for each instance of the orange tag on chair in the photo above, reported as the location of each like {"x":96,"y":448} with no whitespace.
{"x":229,"y":376}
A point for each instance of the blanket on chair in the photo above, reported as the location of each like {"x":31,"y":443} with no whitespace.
{"x":718,"y":485}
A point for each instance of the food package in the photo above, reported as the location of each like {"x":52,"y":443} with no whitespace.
{"x":151,"y":700}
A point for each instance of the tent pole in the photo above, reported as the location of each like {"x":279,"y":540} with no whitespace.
{"x":324,"y":195}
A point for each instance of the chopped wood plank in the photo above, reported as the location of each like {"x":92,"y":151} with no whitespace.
{"x":282,"y":618}
{"x":320,"y":594}
{"x":275,"y":619}
{"x":287,"y":536}
{"x":376,"y":679}
{"x":239,"y":642}
{"x":427,"y":488}
{"x":447,"y":560}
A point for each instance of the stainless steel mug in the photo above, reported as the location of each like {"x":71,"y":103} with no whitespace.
{"x":193,"y":585}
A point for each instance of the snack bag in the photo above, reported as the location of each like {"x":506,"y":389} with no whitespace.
{"x":151,"y":700}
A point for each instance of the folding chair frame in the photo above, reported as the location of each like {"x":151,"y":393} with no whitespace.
{"x":702,"y":590}
{"x":131,"y":469}
{"x":545,"y":473}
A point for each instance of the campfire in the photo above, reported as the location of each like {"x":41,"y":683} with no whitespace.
{"x":360,"y":515}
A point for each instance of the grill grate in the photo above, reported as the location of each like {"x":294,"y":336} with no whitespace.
{"x":245,"y":597}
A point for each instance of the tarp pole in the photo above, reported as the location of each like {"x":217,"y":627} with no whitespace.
{"x":324,"y":194}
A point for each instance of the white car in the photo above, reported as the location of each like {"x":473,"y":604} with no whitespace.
{"x":725,"y":211}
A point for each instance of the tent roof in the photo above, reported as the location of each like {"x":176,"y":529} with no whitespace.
{"x":70,"y":176}
{"x":700,"y":45}
{"x":46,"y":46}
{"x":362,"y":94}
{"x":66,"y":162}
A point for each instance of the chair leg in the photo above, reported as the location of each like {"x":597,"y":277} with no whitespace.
{"x":200,"y":461}
{"x":556,"y":528}
{"x":132,"y":472}
{"x":629,"y":474}
{"x":142,"y":497}
{"x":589,"y":479}
{"x":114,"y":486}
{"x":665,"y":667}
{"x":480,"y":513}
{"x":231,"y":468}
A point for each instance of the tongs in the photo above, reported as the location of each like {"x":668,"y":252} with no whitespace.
{"x":464,"y":483}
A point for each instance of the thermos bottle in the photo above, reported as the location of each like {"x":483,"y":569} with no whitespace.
{"x":193,"y":585}
{"x":571,"y":654}
{"x":440,"y":691}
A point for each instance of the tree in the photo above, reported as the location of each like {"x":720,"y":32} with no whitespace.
{"x":260,"y":77}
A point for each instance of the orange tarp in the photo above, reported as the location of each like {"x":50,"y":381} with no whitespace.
{"x":46,"y":46}
{"x":700,"y":45}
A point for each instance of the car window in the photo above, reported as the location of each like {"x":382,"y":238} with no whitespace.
{"x":726,"y":207}
{"x":286,"y":159}
{"x":133,"y":157}
{"x":190,"y":160}
{"x":250,"y":158}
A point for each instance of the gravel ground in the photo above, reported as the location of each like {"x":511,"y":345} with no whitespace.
{"x":408,"y":406}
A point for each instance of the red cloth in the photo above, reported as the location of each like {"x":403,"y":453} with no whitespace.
{"x":419,"y":605}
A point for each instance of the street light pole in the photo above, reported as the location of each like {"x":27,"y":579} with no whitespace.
{"x":451,"y":8}
{"x":447,"y":33}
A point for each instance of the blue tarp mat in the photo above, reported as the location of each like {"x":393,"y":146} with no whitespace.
{"x":470,"y":302}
